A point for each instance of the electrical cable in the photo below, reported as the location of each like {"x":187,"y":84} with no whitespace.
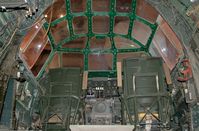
{"x":5,"y":26}
{"x":3,"y":29}
{"x":50,"y":20}
{"x":37,"y":21}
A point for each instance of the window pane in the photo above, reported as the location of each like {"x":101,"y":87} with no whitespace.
{"x":146,"y":11}
{"x":168,"y":52}
{"x":122,"y":56}
{"x":121,"y":25}
{"x":101,"y":24}
{"x":123,"y":43}
{"x":80,"y":25}
{"x":141,"y":32}
{"x":55,"y":63}
{"x":30,"y":35}
{"x":55,"y":11}
{"x":41,"y":60}
{"x":60,"y":31}
{"x":123,"y":5}
{"x":73,"y":60}
{"x":33,"y":50}
{"x":100,"y":61}
{"x":98,"y":44}
{"x":78,"y":5}
{"x":101,"y":5}
{"x":77,"y":43}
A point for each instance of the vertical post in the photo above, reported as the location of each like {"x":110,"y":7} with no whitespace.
{"x":85,"y":80}
{"x":119,"y":74}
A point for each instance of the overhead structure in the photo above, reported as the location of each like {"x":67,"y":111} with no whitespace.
{"x":87,"y":63}
{"x":89,"y":17}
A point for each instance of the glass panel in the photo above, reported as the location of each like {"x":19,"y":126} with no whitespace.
{"x":121,"y":25}
{"x":123,"y":43}
{"x":153,"y":51}
{"x":60,"y":31}
{"x":101,"y":5}
{"x":72,"y":60}
{"x":55,"y":63}
{"x":78,"y":43}
{"x":146,"y":11}
{"x":55,"y":11}
{"x":30,"y":35}
{"x":141,"y":32}
{"x":170,"y":34}
{"x":78,"y":5}
{"x":41,"y":60}
{"x":99,"y":43}
{"x":34,"y":49}
{"x":123,"y":5}
{"x":168,"y":52}
{"x":101,"y":24}
{"x":122,"y":56}
{"x":100,"y":61}
{"x":80,"y":25}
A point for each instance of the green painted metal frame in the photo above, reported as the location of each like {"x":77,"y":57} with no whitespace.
{"x":57,"y":47}
{"x":69,"y":94}
{"x":160,"y":95}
